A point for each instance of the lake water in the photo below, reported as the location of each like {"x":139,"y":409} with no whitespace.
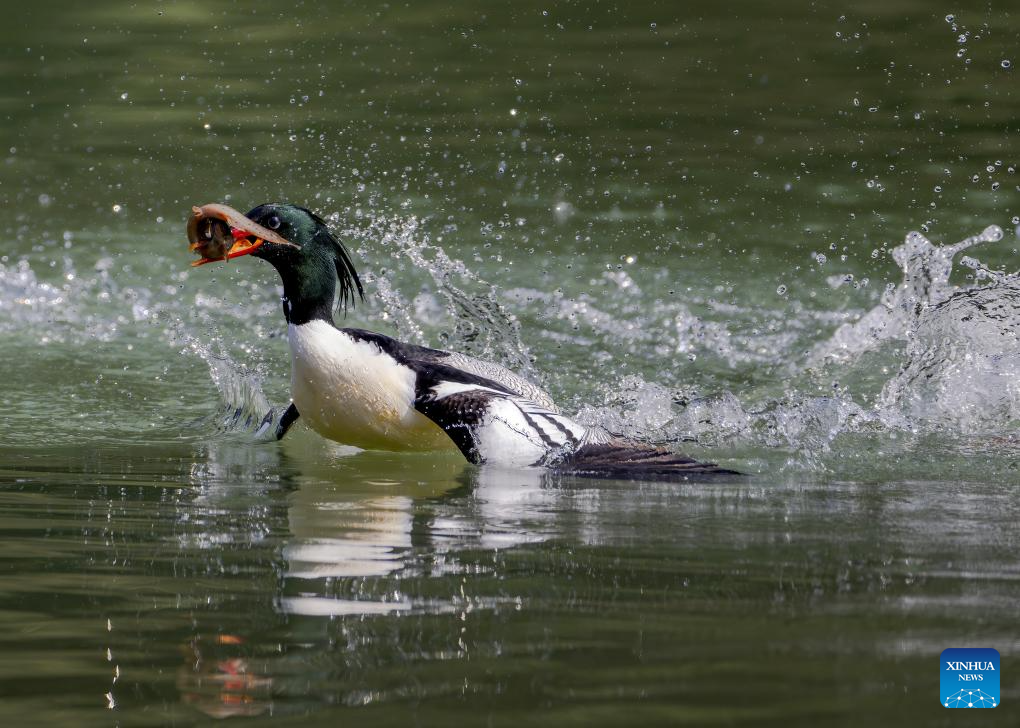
{"x":691,"y":224}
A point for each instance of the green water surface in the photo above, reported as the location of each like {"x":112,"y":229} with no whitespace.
{"x":641,"y":205}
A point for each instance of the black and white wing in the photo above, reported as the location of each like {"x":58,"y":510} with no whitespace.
{"x":483,"y":370}
{"x":499,"y":374}
{"x":491,"y":424}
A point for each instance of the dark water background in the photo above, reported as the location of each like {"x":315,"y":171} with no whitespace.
{"x":659,"y":210}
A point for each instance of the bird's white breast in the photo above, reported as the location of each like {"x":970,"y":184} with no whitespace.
{"x":351,"y":392}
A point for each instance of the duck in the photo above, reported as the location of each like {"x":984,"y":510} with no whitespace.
{"x":375,"y":392}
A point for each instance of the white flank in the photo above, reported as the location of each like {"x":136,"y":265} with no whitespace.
{"x":507,"y":438}
{"x":516,"y":432}
{"x":351,"y":392}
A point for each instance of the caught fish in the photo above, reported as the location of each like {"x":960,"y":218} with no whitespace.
{"x":210,"y":238}
{"x":217,"y":232}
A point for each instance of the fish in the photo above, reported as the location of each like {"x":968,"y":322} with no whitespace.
{"x":210,"y":238}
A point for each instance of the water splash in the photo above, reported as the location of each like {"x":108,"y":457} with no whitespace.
{"x":926,"y":271}
{"x":962,"y":364}
{"x":805,"y":425}
{"x":245,"y":406}
{"x":671,"y":328}
{"x":959,"y":371}
{"x":952,"y":369}
{"x":59,"y":310}
{"x":477,"y":321}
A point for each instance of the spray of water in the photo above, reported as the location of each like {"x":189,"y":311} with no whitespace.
{"x":954,"y":368}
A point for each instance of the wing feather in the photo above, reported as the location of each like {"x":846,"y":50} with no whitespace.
{"x":421,"y":356}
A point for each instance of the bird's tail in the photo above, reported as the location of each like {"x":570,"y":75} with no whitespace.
{"x":635,"y":461}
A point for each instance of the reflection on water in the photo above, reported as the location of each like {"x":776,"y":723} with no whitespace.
{"x":384,"y":584}
{"x":221,"y":686}
{"x":341,"y":539}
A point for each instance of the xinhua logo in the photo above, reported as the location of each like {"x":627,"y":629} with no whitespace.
{"x":969,"y":677}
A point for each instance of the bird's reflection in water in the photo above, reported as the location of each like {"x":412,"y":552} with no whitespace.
{"x":369,"y":537}
{"x":498,"y":509}
{"x":345,"y":534}
{"x":221,"y":684}
{"x":338,"y":536}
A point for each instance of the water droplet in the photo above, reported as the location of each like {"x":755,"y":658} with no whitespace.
{"x":1006,"y":63}
{"x":992,"y":234}
{"x":558,"y":157}
{"x":950,"y":18}
{"x":123,"y":96}
{"x":45,"y":200}
{"x":513,"y":112}
{"x":562,"y":211}
{"x":781,"y":290}
{"x":117,"y":209}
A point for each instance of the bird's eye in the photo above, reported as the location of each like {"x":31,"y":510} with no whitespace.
{"x":273,"y":222}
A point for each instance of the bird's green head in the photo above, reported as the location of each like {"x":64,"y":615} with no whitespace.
{"x":296,"y":241}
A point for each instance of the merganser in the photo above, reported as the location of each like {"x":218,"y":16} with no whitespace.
{"x":369,"y":390}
